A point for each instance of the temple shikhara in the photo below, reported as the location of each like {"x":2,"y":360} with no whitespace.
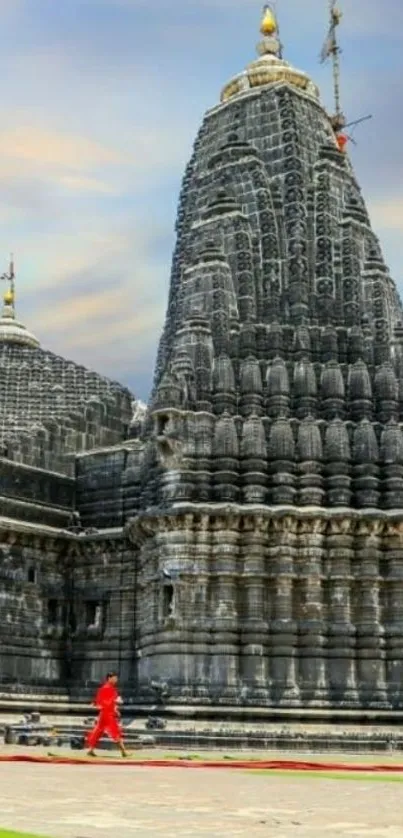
{"x":241,"y":538}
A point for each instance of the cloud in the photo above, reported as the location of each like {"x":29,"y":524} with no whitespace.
{"x":147,"y":148}
{"x":103,"y":304}
{"x":387,"y":214}
{"x":144,"y":152}
{"x":50,"y":148}
{"x":39,"y":166}
{"x":86,"y":184}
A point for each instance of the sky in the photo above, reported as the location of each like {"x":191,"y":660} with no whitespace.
{"x":101,"y":102}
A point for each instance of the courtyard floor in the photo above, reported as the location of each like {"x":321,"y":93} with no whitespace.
{"x":90,"y":801}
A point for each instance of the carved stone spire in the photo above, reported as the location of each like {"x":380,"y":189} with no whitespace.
{"x":277,"y":411}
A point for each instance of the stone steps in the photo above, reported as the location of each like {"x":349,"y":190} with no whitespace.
{"x":282,"y":739}
{"x":61,"y":705}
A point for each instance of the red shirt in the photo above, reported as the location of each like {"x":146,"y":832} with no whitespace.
{"x":106,"y":697}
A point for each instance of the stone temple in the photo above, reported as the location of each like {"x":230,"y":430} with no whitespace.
{"x":241,"y":539}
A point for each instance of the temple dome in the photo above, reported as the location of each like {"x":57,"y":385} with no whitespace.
{"x":270,"y":67}
{"x":12,"y":330}
{"x":51,"y":408}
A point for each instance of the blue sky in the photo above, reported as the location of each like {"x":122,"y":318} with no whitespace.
{"x":101,"y":101}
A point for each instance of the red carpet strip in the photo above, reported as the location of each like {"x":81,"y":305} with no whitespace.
{"x":271,"y":765}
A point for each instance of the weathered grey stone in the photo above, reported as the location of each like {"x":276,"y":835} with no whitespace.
{"x":241,"y":540}
{"x":54,"y":409}
{"x":283,"y":564}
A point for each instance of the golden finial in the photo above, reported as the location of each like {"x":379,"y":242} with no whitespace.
{"x":9,"y":296}
{"x":268,"y":24}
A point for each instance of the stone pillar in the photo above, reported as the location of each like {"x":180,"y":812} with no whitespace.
{"x":226,"y":460}
{"x":283,"y":628}
{"x":204,"y":434}
{"x":254,"y":461}
{"x":393,"y":610}
{"x":370,"y":642}
{"x":351,"y":268}
{"x":253,"y":620}
{"x":281,"y":452}
{"x":146,"y":617}
{"x":224,"y":670}
{"x":31,"y":644}
{"x":173,"y":545}
{"x":311,"y":617}
{"x":324,"y":251}
{"x":174,"y":457}
{"x":341,"y":632}
{"x":295,"y":214}
{"x":199,"y":598}
{"x":251,"y":388}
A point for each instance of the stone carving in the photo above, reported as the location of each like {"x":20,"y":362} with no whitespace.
{"x":54,"y":409}
{"x":301,"y":393}
{"x":239,"y":539}
{"x":139,"y":414}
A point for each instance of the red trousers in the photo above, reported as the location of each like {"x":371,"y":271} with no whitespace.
{"x":107,"y":723}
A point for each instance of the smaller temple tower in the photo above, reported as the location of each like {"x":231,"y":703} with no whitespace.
{"x":64,"y":560}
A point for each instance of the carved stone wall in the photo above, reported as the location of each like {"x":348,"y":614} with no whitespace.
{"x":102,"y":635}
{"x":271,"y":217}
{"x":68,"y":609}
{"x":109,"y":484}
{"x":32,"y":604}
{"x":51,"y":408}
{"x":281,"y":606}
{"x":35,"y":495}
{"x":271,"y":474}
{"x":242,"y":540}
{"x":99,"y":497}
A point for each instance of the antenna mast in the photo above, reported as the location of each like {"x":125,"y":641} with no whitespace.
{"x":331,"y":49}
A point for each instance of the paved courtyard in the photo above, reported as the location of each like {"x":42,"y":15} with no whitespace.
{"x":95,"y":801}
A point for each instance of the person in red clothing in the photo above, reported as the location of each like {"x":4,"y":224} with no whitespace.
{"x":107,"y":700}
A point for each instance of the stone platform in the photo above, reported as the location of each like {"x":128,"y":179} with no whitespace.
{"x":92,"y":802}
{"x":369,"y":733}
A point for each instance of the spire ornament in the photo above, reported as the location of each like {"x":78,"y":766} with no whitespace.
{"x":269,"y":67}
{"x":270,"y":30}
{"x":268,"y":24}
{"x":9,"y":296}
{"x":11,"y":330}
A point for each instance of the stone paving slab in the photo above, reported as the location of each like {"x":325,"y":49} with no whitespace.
{"x":91,"y":802}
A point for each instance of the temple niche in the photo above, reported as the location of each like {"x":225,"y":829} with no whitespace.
{"x":240,"y":539}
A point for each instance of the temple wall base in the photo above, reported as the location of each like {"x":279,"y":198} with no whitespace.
{"x":261,"y":623}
